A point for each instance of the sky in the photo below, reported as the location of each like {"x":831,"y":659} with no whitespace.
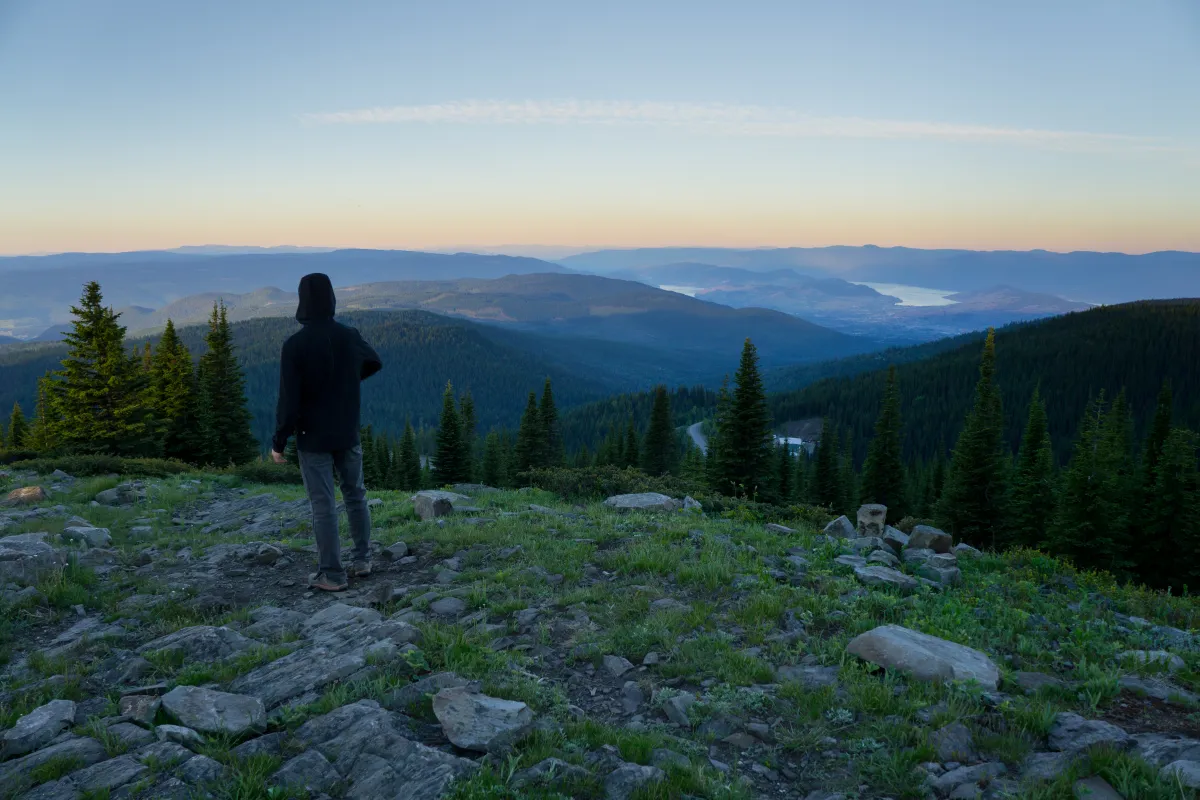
{"x":1056,"y":124}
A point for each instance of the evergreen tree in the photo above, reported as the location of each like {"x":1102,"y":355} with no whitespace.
{"x":1085,"y":529}
{"x":1152,"y":551}
{"x":42,"y":435}
{"x":224,"y":389}
{"x":493,"y":461}
{"x":383,"y":460}
{"x":552,"y":443}
{"x":173,"y":398}
{"x":466,"y":412}
{"x":714,"y":458}
{"x":17,"y":429}
{"x":826,"y":479}
{"x":99,"y":396}
{"x":883,"y":472}
{"x":1175,"y":519}
{"x":746,"y":441}
{"x":972,"y":504}
{"x":447,"y":463}
{"x":530,"y":438}
{"x":658,"y":456}
{"x":1032,"y":506}
{"x":631,"y":450}
{"x":366,"y":440}
{"x":1160,"y":429}
{"x":848,"y":478}
{"x":409,"y":460}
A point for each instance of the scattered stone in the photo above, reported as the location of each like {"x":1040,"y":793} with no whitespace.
{"x":307,"y":670}
{"x":645,"y":501}
{"x":551,"y":773}
{"x":1096,"y":788}
{"x":617,"y":665}
{"x":37,"y":728}
{"x":309,"y":772}
{"x":954,"y":742}
{"x":810,"y":677}
{"x":1072,"y":733}
{"x":676,"y":708}
{"x":26,"y":496}
{"x":167,"y":754}
{"x":691,"y":504}
{"x":395,"y":552}
{"x":895,"y":539}
{"x":1158,"y":689}
{"x":929,"y":537}
{"x":209,"y":711}
{"x":475,"y":721}
{"x":448,"y":607}
{"x":1185,"y":773}
{"x":872,"y":519}
{"x":622,"y":782}
{"x":421,"y":692}
{"x":270,"y":622}
{"x":884,"y":558}
{"x":25,"y":557}
{"x":670,"y":604}
{"x":964,"y":549}
{"x":200,"y":770}
{"x":865,"y":545}
{"x":1034,"y":682}
{"x":1160,"y":749}
{"x":271,"y":744}
{"x":885,"y":576}
{"x":124,"y":494}
{"x":632,"y":697}
{"x":131,"y":735}
{"x":927,"y":657}
{"x":1155,"y":658}
{"x":200,"y":643}
{"x":92,"y":537}
{"x":943,"y":576}
{"x":108,"y":775}
{"x":1045,"y":766}
{"x":83,"y":751}
{"x":840,"y":528}
{"x":268,"y":554}
{"x":970,"y":776}
{"x":777,"y":528}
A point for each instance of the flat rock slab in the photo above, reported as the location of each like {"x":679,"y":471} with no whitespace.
{"x":1071,"y":733}
{"x":476,"y":721}
{"x":19,"y":772}
{"x":375,"y":760}
{"x":645,"y":501}
{"x":885,"y":576}
{"x":108,"y":775}
{"x":201,"y":643}
{"x":1096,"y":788}
{"x":623,"y":781}
{"x":269,"y":622}
{"x":926,"y":657}
{"x":210,"y":711}
{"x":306,"y":670}
{"x":309,"y":772}
{"x":1161,"y":749}
{"x":37,"y":728}
{"x":24,"y":557}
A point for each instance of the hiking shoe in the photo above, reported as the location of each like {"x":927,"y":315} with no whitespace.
{"x":362,"y":569}
{"x":323,"y":582}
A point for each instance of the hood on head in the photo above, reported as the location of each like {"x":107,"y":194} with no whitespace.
{"x":316,"y":298}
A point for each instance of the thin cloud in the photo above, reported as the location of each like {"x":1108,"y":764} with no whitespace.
{"x":732,"y":120}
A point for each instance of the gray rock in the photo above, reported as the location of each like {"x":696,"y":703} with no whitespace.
{"x":954,"y":742}
{"x":270,"y":744}
{"x":179,"y":735}
{"x":895,"y":539}
{"x":1034,"y":682}
{"x":421,"y":693}
{"x":428,"y":508}
{"x":310,"y":772}
{"x":395,"y":552}
{"x":92,"y":537}
{"x":1161,"y":749}
{"x":124,"y":494}
{"x":19,"y":771}
{"x":550,"y":773}
{"x":1185,"y":773}
{"x":1045,"y":766}
{"x":366,"y":746}
{"x":777,"y":528}
{"x":307,"y":670}
{"x":840,"y":528}
{"x":448,"y":607}
{"x":475,"y":721}
{"x":37,"y":728}
{"x":931,"y":538}
{"x":622,"y":782}
{"x":632,"y":697}
{"x":1158,"y":689}
{"x":885,"y":576}
{"x":919,"y":555}
{"x":111,"y":774}
{"x":943,"y":576}
{"x":163,"y":754}
{"x":872,"y":519}
{"x":62,"y":789}
{"x":691,"y":504}
{"x":676,"y":708}
{"x":1072,"y":733}
{"x":1161,"y":659}
{"x":200,"y":643}
{"x":964,"y":549}
{"x":850,"y":561}
{"x":808,"y":677}
{"x":1096,"y":788}
{"x":269,"y":622}
{"x":141,"y":533}
{"x":884,"y":558}
{"x":209,"y":711}
{"x":267,"y":554}
{"x":971,"y":776}
{"x":131,"y":735}
{"x":25,"y":557}
{"x":864,"y":545}
{"x":617,"y":665}
{"x":927,"y":657}
{"x":200,"y":770}
{"x":645,"y":501}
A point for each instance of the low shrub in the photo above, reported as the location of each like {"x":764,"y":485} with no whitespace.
{"x":10,"y":456}
{"x":907,"y":524}
{"x":86,"y":466}
{"x":591,"y":483}
{"x":265,"y":472}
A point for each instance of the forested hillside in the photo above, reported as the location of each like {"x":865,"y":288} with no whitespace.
{"x":1134,"y":346}
{"x":588,"y":425}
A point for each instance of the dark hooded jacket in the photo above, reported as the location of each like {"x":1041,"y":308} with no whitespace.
{"x":319,"y":374}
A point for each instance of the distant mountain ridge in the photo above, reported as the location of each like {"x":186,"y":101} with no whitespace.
{"x":1082,"y":276}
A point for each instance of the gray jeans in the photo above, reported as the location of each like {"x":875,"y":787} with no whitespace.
{"x":318,"y":470}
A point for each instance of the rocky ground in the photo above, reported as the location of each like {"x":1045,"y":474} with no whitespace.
{"x":157,"y":640}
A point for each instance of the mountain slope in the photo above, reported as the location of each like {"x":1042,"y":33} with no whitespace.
{"x":1134,"y":346}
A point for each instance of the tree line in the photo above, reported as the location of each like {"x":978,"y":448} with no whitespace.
{"x":108,"y":399}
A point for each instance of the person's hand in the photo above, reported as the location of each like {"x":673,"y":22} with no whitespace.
{"x":277,"y":457}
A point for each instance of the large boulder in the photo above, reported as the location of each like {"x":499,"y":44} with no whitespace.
{"x":25,"y":496}
{"x":926,"y":657}
{"x":429,"y":507}
{"x":646,"y":501}
{"x":122,"y":495}
{"x":87,"y":535}
{"x":872,"y":520}
{"x":885,"y":576}
{"x":37,"y":728}
{"x":1071,"y":733}
{"x":210,"y":711}
{"x":840,"y":528}
{"x":474,"y":721}
{"x":927,"y":536}
{"x":25,"y":557}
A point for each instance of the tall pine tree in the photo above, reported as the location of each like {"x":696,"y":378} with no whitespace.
{"x":632,"y":449}
{"x":447,"y":463}
{"x":746,"y":441}
{"x":223,"y":390}
{"x":827,"y":488}
{"x":1174,"y":520}
{"x":1152,"y":551}
{"x":18,"y":429}
{"x":552,"y":443}
{"x":972,"y":504}
{"x":493,"y":461}
{"x":98,"y":398}
{"x":466,"y":413}
{"x":173,"y":397}
{"x":659,"y":454}
{"x":883,"y":472}
{"x":1032,"y":506}
{"x":531,"y":438}
{"x":409,"y":459}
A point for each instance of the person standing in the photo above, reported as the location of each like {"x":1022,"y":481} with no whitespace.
{"x":320,"y":369}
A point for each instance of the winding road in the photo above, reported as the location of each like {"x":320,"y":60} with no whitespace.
{"x":698,"y":436}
